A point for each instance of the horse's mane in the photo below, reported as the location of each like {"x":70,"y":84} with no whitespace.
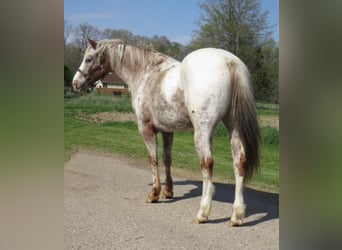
{"x":134,"y":56}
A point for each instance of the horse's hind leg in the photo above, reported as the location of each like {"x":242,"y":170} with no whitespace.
{"x":238,"y":160}
{"x":167,"y":159}
{"x":203,"y":142}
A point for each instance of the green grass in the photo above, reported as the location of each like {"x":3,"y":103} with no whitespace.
{"x":268,"y":108}
{"x":95,"y":103}
{"x":123,"y":138}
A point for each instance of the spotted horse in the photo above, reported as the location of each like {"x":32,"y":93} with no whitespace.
{"x":208,"y":86}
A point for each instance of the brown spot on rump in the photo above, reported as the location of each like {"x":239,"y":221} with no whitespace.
{"x":242,"y":165}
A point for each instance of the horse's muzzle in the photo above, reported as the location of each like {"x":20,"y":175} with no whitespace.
{"x":75,"y":86}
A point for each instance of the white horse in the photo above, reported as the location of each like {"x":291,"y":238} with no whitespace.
{"x":208,"y":86}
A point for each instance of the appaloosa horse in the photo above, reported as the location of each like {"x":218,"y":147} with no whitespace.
{"x":208,"y":86}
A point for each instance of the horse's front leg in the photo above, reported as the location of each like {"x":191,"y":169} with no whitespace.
{"x":149,"y":134}
{"x":167,"y":159}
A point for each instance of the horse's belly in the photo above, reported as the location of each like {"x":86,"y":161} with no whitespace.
{"x":171,"y":120}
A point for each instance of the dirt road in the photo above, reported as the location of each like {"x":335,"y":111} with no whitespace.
{"x":105,"y":208}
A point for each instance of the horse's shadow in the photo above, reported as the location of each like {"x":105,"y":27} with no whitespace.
{"x":258,"y":202}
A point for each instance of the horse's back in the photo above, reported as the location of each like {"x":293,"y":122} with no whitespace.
{"x":207,"y":65}
{"x":206,"y":75}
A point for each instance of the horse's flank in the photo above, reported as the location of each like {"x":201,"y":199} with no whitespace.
{"x":159,"y":98}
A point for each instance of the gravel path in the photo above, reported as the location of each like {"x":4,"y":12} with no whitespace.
{"x":105,"y":208}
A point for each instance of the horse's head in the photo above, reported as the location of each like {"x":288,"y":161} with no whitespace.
{"x":94,"y":66}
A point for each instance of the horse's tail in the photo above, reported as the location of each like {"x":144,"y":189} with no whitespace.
{"x":243,"y":116}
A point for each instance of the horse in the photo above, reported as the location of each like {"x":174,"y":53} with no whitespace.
{"x":208,"y":86}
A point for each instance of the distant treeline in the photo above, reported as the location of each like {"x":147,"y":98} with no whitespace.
{"x":238,"y":26}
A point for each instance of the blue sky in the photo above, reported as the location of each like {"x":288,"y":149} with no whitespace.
{"x":175,"y":19}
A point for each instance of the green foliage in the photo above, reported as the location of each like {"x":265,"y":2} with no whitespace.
{"x":94,"y":103}
{"x":221,"y":130}
{"x":267,"y":108}
{"x":270,"y":135}
{"x":68,"y":75}
{"x":240,"y":26}
{"x":236,"y":25}
{"x":72,"y":56}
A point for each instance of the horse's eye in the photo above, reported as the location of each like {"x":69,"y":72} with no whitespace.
{"x":88,"y":60}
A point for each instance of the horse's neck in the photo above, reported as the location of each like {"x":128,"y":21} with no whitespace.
{"x":131,"y":74}
{"x":132,"y":79}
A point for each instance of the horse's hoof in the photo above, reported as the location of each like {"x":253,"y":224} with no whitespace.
{"x":200,"y":221}
{"x":236,"y":223}
{"x":152,"y":197}
{"x":167,"y":194}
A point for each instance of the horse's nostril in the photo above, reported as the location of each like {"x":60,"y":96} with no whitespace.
{"x":74,"y":84}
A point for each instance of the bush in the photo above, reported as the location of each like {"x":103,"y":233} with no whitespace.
{"x":68,"y":75}
{"x":270,"y":135}
{"x":221,"y":131}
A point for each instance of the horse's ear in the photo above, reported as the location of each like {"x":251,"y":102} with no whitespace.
{"x":92,"y":43}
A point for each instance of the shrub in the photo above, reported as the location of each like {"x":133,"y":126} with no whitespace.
{"x":270,"y":135}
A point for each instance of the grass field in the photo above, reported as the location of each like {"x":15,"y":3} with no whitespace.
{"x":123,"y":138}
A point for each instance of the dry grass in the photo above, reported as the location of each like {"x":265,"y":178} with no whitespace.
{"x":102,"y":117}
{"x":269,"y":121}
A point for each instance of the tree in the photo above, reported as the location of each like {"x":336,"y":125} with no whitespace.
{"x":159,"y":43}
{"x":72,"y":57}
{"x":164,"y":45}
{"x":122,"y":34}
{"x":85,"y":31}
{"x":231,"y":24}
{"x":68,"y":29}
{"x":270,"y":52}
{"x":68,"y":75}
{"x":239,"y":26}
